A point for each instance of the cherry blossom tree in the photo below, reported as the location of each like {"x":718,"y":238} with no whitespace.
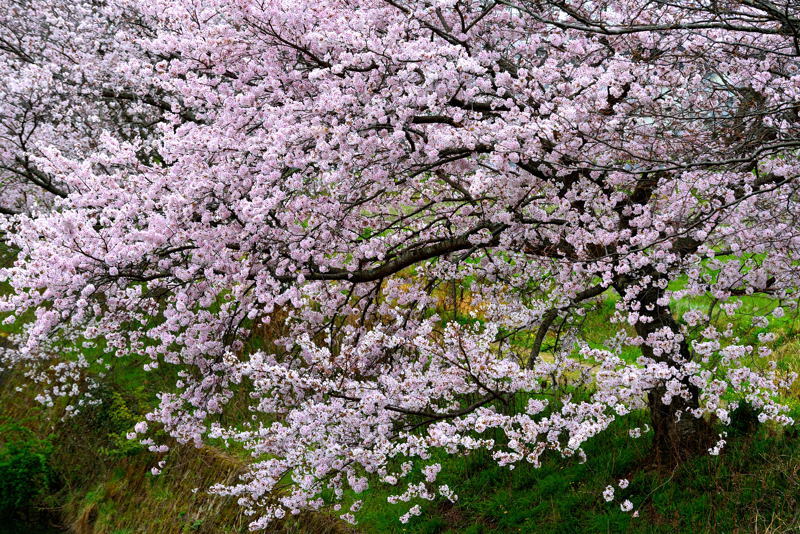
{"x":401,"y":191}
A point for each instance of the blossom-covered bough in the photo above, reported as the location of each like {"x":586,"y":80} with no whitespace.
{"x":408,"y":188}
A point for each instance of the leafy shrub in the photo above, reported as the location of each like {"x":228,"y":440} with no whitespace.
{"x":25,"y":471}
{"x":117,"y":419}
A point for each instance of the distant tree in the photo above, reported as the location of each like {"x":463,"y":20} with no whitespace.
{"x":353,"y":169}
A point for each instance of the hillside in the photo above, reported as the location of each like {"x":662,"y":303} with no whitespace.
{"x":82,"y":475}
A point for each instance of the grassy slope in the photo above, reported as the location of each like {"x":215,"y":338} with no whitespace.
{"x":753,"y":486}
{"x":105,"y":487}
{"x":103,"y":483}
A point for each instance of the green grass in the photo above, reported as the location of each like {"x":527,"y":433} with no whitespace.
{"x":753,"y":486}
{"x":754,"y":483}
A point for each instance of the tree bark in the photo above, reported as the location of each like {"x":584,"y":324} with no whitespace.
{"x":677,"y":433}
{"x":676,"y":438}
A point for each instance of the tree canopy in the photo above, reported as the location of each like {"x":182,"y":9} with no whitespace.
{"x":179,"y":176}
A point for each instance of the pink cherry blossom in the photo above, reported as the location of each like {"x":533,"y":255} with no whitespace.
{"x":180,"y":178}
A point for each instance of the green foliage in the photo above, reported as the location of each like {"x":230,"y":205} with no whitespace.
{"x":118,"y":417}
{"x":25,"y":472}
{"x":194,"y":526}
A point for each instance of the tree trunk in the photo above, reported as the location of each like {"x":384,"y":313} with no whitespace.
{"x":677,"y":433}
{"x":676,"y":437}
